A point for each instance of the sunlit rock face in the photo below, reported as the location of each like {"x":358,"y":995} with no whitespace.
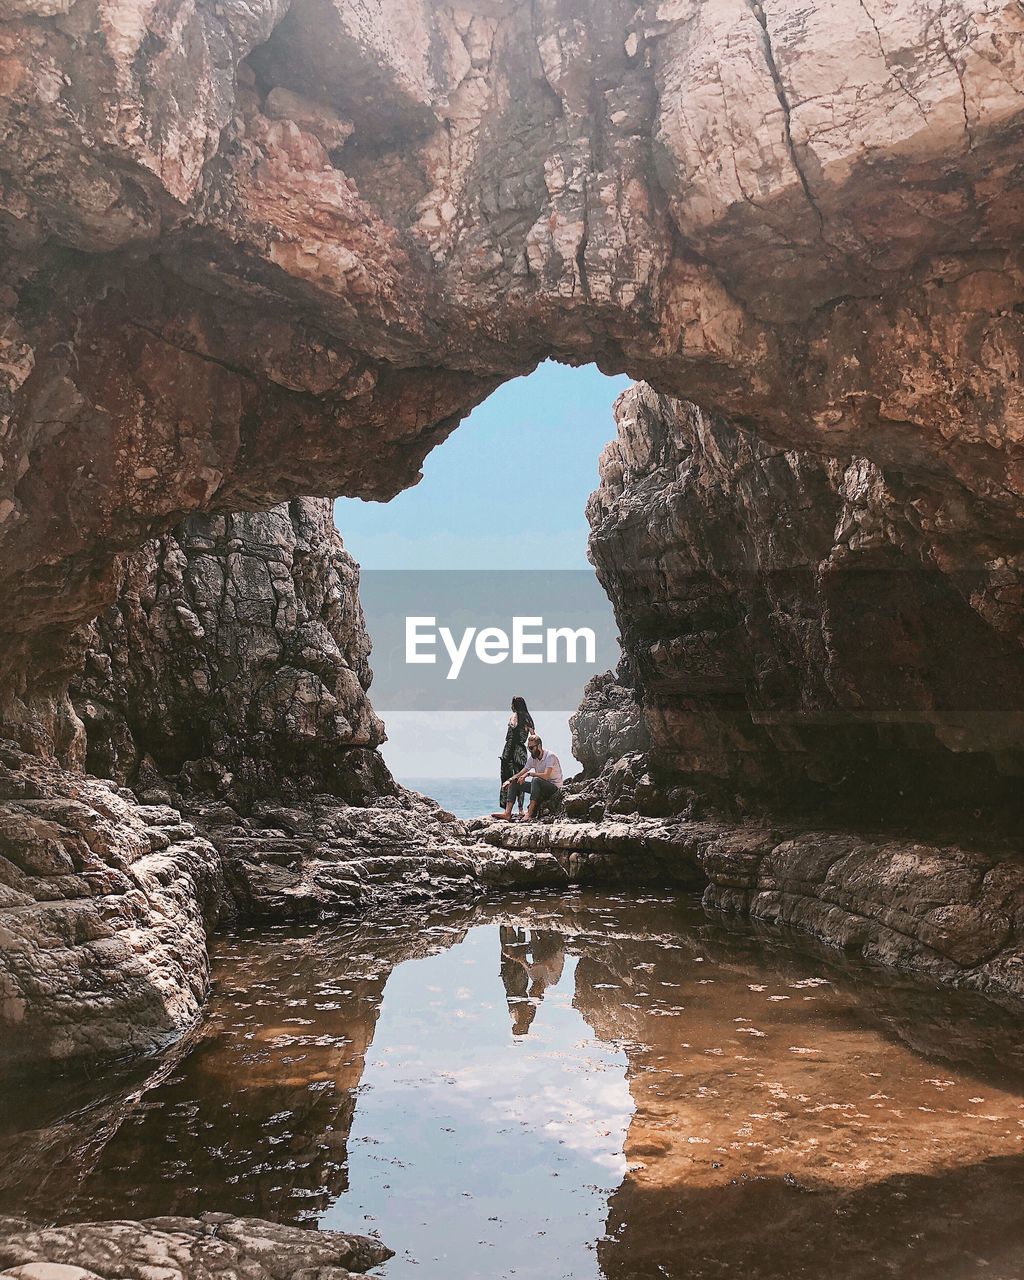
{"x":235,"y":662}
{"x":186,"y":1247}
{"x":104,"y":906}
{"x":252,"y":251}
{"x":809,"y":630}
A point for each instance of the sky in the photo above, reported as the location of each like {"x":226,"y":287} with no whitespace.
{"x":507,"y":490}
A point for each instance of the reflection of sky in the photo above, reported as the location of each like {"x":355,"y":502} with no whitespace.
{"x":469,"y":1143}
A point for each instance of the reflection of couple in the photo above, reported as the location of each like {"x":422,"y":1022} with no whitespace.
{"x":531,"y":961}
{"x":526,"y":766}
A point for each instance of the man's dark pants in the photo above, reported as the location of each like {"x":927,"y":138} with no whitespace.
{"x":539,"y":789}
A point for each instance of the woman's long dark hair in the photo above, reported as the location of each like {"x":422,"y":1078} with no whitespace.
{"x":524,"y":719}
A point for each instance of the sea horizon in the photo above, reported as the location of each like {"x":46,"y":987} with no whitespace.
{"x":467,"y":797}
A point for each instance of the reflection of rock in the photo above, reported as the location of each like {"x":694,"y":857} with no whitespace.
{"x":182,"y":1249}
{"x":949,"y":912}
{"x":959,"y":1222}
{"x":780,"y":1096}
{"x":814,"y":1148}
{"x":235,"y":662}
{"x":261,"y":1106}
{"x":766,"y":1071}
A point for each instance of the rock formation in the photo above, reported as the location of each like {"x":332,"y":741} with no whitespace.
{"x":950,"y":913}
{"x":234,"y":662}
{"x":252,"y":251}
{"x":805,"y":631}
{"x":182,"y":1249}
{"x":609,"y":721}
{"x":103,"y":909}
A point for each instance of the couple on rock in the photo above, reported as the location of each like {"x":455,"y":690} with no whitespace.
{"x":526,"y":766}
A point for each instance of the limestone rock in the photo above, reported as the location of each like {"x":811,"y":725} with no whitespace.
{"x":608,"y":723}
{"x":103,"y":901}
{"x":805,"y":632}
{"x":324,"y":859}
{"x":948,"y":912}
{"x":805,"y":218}
{"x":103,"y":912}
{"x":183,"y":1249}
{"x":235,"y":662}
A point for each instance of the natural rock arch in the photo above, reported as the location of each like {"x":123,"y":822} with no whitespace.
{"x":251,"y":254}
{"x":251,"y":251}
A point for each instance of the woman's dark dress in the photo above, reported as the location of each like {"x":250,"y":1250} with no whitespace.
{"x":513,"y":757}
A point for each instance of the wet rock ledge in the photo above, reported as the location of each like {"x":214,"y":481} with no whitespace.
{"x":951,"y":913}
{"x":105,"y":903}
{"x":215,"y":1244}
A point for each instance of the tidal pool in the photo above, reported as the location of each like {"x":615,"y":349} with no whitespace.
{"x":562,"y":1086}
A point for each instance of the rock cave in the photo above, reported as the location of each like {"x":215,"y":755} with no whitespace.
{"x":255,"y":256}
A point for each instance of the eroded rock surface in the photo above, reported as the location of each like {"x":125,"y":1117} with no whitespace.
{"x":609,"y":722}
{"x":251,"y":251}
{"x":105,"y":900}
{"x":231,"y":671}
{"x":257,"y":250}
{"x":215,"y":1244}
{"x":103,"y":911}
{"x":807,"y":632}
{"x":235,"y":662}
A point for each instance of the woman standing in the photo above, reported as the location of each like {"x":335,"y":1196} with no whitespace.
{"x":513,"y":756}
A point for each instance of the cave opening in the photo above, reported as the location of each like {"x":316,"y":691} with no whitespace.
{"x":499,"y":516}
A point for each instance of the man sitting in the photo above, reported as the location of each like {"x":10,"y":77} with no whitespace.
{"x":542,"y":776}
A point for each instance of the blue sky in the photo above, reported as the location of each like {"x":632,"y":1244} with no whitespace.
{"x":508,"y":488}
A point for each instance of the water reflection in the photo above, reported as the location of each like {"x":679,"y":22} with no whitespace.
{"x":531,"y":961}
{"x":675,"y":1099}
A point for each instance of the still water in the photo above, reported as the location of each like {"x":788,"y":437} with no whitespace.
{"x":566,"y":1086}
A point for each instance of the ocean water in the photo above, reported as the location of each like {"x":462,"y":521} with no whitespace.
{"x":465,"y":797}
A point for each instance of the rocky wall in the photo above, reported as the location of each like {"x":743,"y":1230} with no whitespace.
{"x":249,"y":251}
{"x":234,"y":664}
{"x":104,"y":909}
{"x":804,"y":632}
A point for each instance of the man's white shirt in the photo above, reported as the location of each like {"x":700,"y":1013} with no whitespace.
{"x":547,"y":760}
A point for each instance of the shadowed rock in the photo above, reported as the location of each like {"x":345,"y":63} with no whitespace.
{"x":235,"y":662}
{"x":811,"y":634}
